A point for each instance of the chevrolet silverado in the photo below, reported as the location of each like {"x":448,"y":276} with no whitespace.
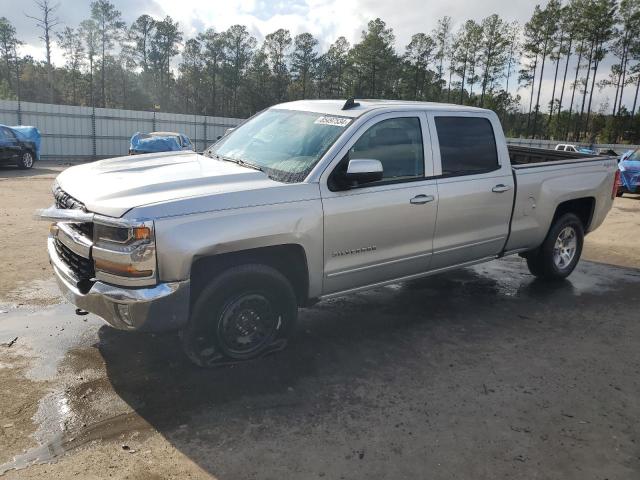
{"x":310,"y":200}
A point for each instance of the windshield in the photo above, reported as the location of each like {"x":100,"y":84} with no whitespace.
{"x":634,"y":156}
{"x":285,"y":144}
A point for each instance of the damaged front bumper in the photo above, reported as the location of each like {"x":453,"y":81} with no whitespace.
{"x":160,"y":308}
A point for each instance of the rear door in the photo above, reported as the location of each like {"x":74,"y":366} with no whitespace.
{"x":475,"y":188}
{"x":381,"y":231}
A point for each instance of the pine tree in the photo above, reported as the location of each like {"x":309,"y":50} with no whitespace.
{"x":304,"y":60}
{"x":70,"y":40}
{"x":108,"y":21}
{"x":495,"y":44}
{"x":442,"y":37}
{"x":419,"y":54}
{"x":46,"y":22}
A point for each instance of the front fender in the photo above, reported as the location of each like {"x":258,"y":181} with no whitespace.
{"x":182,"y":239}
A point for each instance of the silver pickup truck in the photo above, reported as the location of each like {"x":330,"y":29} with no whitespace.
{"x":310,"y":200}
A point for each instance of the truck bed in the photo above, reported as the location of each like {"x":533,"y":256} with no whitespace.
{"x":545,"y":179}
{"x":529,"y":156}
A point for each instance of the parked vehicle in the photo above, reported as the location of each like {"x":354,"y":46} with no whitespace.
{"x":19,"y":146}
{"x":574,"y":148}
{"x":311,"y":200}
{"x":608,"y":151}
{"x":155,"y":142}
{"x":629,"y":167}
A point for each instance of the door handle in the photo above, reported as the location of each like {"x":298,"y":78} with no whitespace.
{"x":422,"y":199}
{"x":501,"y":188}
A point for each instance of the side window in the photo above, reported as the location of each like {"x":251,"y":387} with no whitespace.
{"x":397,"y":143}
{"x":467,"y":145}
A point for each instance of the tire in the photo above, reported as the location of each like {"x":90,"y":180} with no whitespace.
{"x":560,"y":252}
{"x":246,"y":312}
{"x":26,"y":160}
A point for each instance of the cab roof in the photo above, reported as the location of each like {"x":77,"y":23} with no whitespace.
{"x":334,"y":107}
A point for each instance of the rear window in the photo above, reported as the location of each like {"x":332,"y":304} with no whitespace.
{"x":467,"y":145}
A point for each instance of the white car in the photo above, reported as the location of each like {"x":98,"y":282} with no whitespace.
{"x":566,"y":148}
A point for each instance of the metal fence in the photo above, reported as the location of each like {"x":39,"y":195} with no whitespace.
{"x":83,"y":133}
{"x":551,"y":144}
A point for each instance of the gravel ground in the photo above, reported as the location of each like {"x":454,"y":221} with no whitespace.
{"x":479,"y":373}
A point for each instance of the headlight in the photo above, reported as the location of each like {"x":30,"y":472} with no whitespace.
{"x":124,"y":254}
{"x":120,"y":235}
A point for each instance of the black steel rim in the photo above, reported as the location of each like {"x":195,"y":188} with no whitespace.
{"x":247,"y":324}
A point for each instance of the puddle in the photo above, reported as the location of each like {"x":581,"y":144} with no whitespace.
{"x":65,"y":419}
{"x":60,"y":444}
{"x":47,"y":334}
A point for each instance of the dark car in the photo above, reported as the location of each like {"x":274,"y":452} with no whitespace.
{"x":16,"y":148}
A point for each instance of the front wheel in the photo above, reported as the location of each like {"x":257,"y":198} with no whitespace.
{"x":244,"y":313}
{"x":26,"y":161}
{"x":560,"y":252}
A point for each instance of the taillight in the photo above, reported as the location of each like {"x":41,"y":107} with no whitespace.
{"x":616,"y":184}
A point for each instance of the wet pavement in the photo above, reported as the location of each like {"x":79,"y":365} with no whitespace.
{"x":482,"y":372}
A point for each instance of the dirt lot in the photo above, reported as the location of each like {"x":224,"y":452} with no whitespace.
{"x":23,"y":253}
{"x":480,"y":373}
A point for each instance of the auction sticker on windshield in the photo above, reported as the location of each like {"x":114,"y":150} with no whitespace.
{"x":334,"y":121}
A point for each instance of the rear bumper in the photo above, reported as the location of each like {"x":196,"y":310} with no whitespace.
{"x":160,"y":308}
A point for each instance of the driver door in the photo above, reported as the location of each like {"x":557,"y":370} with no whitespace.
{"x":380,"y":231}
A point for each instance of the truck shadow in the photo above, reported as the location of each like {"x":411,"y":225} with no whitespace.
{"x":341,"y":350}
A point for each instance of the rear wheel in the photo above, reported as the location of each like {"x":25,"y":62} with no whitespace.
{"x":244,"y":313}
{"x":560,"y":252}
{"x":26,"y":160}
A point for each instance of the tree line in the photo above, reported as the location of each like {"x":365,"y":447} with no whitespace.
{"x":149,"y":64}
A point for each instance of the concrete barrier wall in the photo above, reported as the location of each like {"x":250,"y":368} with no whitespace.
{"x":78,"y":133}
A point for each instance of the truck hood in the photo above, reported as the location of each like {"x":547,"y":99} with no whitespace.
{"x":113,"y":187}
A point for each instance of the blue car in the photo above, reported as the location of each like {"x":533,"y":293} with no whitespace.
{"x":629,"y":167}
{"x":159,"y":142}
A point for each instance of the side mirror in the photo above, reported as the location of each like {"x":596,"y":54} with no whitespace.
{"x":364,"y":171}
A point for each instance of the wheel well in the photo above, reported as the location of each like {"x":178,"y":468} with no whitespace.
{"x":290,"y":260}
{"x":581,"y":207}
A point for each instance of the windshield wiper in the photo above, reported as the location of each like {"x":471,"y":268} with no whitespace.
{"x":237,"y":161}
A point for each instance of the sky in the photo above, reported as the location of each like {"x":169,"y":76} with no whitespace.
{"x":325,"y":19}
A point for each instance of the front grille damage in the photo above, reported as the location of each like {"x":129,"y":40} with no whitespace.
{"x":65,"y":201}
{"x":81,"y":267}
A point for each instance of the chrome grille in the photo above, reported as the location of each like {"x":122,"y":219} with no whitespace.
{"x":80,"y":266}
{"x":65,"y":201}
